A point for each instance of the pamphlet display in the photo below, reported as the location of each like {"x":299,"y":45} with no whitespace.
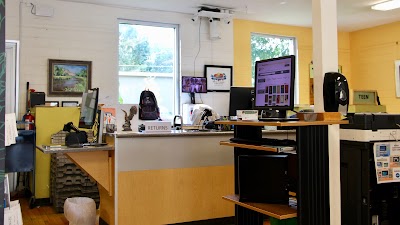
{"x":387,"y":161}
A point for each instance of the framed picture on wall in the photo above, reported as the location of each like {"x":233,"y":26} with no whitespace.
{"x":52,"y":103}
{"x":219,"y":78}
{"x":69,"y":104}
{"x":69,"y":77}
{"x":397,"y":76}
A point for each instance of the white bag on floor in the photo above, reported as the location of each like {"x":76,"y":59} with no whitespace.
{"x":12,"y":214}
{"x":80,"y":211}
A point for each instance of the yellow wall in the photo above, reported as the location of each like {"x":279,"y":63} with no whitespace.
{"x":373,"y":52}
{"x":242,"y":53}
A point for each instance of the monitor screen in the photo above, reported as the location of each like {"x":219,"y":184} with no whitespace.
{"x":274,"y":83}
{"x":240,"y":98}
{"x":194,"y":85}
{"x":88,"y":110}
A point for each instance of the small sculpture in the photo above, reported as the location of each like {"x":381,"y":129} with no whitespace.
{"x":132,"y":112}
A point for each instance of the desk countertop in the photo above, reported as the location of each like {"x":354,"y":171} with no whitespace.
{"x":183,"y":133}
{"x":66,"y":149}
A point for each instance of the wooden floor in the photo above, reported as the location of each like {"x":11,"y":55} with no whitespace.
{"x":46,"y":215}
{"x":43,"y":215}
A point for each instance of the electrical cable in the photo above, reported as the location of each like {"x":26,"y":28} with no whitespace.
{"x":201,"y":99}
{"x":33,"y":6}
{"x":198,"y":52}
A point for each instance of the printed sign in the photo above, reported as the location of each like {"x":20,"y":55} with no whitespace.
{"x":157,"y":126}
{"x":387,"y":161}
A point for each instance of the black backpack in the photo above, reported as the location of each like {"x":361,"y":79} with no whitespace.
{"x":148,"y":108}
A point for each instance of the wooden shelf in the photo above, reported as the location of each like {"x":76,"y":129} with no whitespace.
{"x":255,"y":147}
{"x":281,"y":124}
{"x":278,"y":211}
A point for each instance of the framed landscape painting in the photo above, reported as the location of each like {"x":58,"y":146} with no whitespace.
{"x":69,"y":77}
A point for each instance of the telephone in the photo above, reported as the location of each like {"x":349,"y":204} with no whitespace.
{"x":203,"y":113}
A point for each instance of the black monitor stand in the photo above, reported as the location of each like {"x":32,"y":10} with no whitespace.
{"x":192,"y":98}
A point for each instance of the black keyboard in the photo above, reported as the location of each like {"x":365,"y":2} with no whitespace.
{"x":264,"y":141}
{"x":277,"y":119}
{"x":81,"y":145}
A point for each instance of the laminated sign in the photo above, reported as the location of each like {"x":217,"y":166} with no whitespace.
{"x":387,"y":161}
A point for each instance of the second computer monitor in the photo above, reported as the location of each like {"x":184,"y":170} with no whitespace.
{"x":274,"y":83}
{"x":240,"y":98}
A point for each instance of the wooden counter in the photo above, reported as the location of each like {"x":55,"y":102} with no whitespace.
{"x":179,"y":176}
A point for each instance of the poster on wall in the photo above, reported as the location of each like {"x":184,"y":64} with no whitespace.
{"x":219,"y":78}
{"x":387,"y":161}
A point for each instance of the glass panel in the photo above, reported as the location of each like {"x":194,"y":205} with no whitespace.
{"x":269,"y":46}
{"x":147,"y":60}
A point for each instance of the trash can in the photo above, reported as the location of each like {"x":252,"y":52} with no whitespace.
{"x":80,"y":211}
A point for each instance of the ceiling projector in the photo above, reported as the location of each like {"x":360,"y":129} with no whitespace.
{"x":214,"y":14}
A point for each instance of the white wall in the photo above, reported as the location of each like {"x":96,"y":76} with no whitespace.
{"x":12,"y":20}
{"x":80,"y":31}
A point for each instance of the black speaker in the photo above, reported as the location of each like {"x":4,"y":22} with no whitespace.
{"x":37,"y":98}
{"x":336,"y":93}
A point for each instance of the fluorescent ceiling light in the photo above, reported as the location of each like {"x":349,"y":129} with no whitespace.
{"x":389,"y":5}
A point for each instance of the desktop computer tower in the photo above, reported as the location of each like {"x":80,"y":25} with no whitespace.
{"x":263,"y":178}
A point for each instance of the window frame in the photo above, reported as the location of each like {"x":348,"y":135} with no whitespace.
{"x":177,"y":56}
{"x":295,"y":53}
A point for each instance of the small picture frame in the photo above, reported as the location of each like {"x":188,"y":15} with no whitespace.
{"x":219,"y":78}
{"x":397,"y":77}
{"x":69,"y":104}
{"x":52,"y":103}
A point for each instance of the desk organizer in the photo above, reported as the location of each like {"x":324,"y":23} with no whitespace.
{"x":323,"y":116}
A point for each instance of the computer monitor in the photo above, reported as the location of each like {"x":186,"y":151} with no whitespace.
{"x":274,"y":85}
{"x":194,"y":85}
{"x":88,"y":111}
{"x":240,"y":98}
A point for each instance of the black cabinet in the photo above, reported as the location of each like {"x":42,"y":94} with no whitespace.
{"x":363,"y":200}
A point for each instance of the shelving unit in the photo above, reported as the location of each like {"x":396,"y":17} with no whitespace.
{"x":255,"y":147}
{"x":278,"y":211}
{"x":313,"y":201}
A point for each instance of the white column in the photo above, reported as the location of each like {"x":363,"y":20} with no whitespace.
{"x":325,"y":59}
{"x":325,"y":47}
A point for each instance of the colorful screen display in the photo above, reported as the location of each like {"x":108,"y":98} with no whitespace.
{"x":274,"y":81}
{"x":194,"y":85}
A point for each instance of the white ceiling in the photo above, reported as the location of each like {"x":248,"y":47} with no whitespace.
{"x":352,"y":14}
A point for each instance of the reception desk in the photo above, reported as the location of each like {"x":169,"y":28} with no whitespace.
{"x":162,"y":178}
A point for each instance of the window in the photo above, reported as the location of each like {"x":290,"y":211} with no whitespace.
{"x":264,"y":46}
{"x":148,"y":59}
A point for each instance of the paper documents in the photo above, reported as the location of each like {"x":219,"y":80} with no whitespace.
{"x":10,"y":129}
